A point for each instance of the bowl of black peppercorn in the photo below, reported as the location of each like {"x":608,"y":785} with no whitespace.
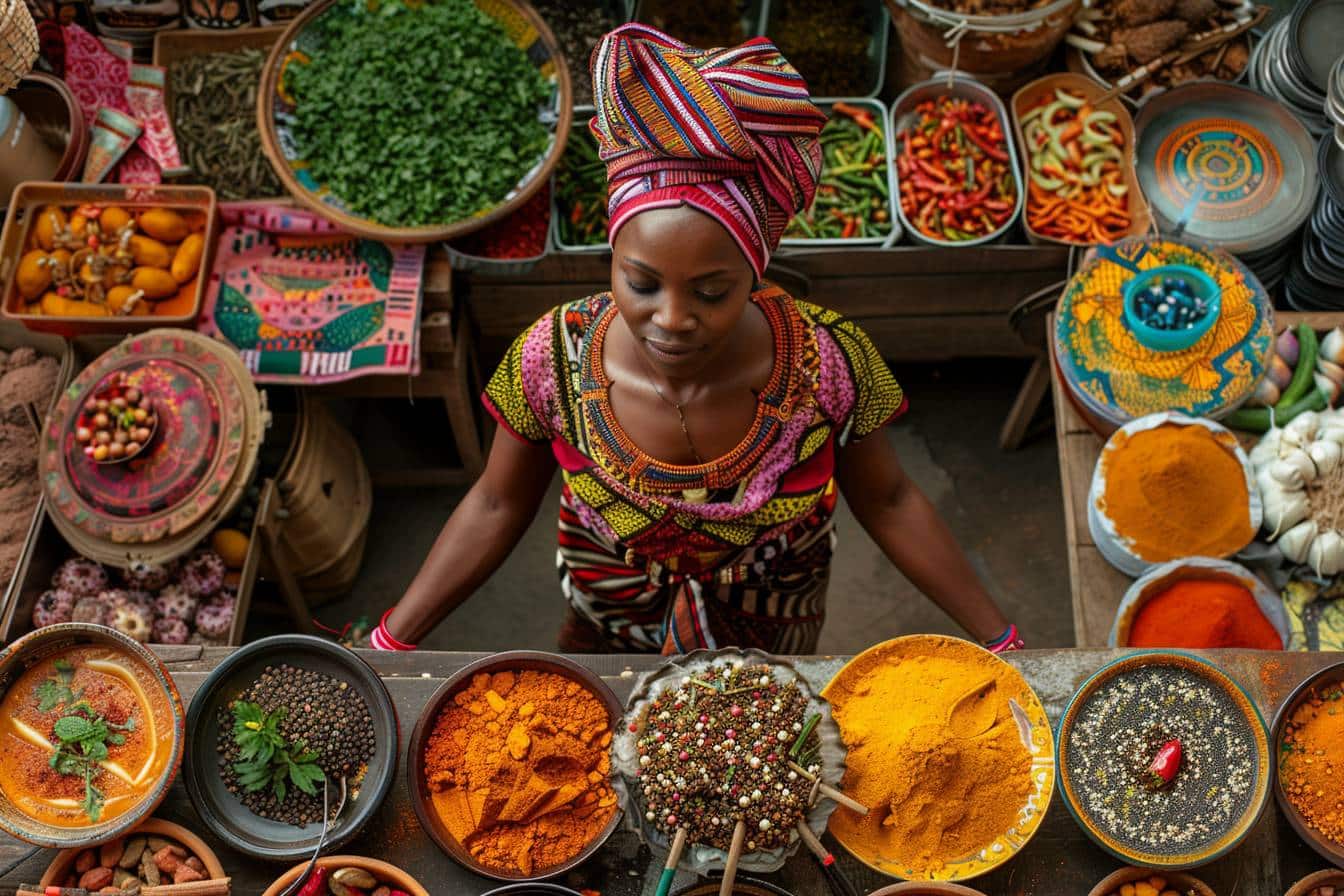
{"x":273,"y":725}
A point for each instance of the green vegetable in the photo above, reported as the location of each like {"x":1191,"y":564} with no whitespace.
{"x":1259,"y":419}
{"x":417,"y":114}
{"x":82,"y":735}
{"x":853,"y":166}
{"x":581,"y":192}
{"x":1306,"y":366}
{"x":266,"y":759}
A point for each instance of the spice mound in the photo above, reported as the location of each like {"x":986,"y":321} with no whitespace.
{"x":934,"y":751}
{"x":519,"y":769}
{"x":1199,"y":613}
{"x":131,"y":863}
{"x":1311,"y":762}
{"x":1176,"y":491}
{"x":726,"y":746}
{"x":1142,"y":793}
{"x":288,"y":732}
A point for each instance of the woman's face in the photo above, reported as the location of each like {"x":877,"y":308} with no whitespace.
{"x":681,"y":284}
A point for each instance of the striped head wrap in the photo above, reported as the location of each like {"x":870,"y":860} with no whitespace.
{"x":730,"y":132}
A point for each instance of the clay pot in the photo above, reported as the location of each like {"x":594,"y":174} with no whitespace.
{"x":1176,"y":880}
{"x":157,"y":827}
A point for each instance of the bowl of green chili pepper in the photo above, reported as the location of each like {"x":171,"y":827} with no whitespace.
{"x":415,"y":120}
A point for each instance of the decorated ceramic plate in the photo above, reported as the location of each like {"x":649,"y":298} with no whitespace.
{"x":1116,"y":734}
{"x":1024,"y":722}
{"x":1116,"y":378}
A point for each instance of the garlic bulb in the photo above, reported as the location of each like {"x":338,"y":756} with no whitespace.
{"x":1295,"y":543}
{"x":1328,"y":433}
{"x":1267,"y":449}
{"x":1294,"y":469}
{"x":1325,"y":455}
{"x":1304,"y":426}
{"x":1299,"y":472}
{"x":1326,"y":554}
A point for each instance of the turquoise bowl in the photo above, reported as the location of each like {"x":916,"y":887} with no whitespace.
{"x":1171,"y":340}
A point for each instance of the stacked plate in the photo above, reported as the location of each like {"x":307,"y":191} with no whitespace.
{"x":1315,"y":280}
{"x":1293,"y":63}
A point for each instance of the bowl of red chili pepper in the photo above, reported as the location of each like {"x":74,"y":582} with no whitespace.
{"x":956,"y":168}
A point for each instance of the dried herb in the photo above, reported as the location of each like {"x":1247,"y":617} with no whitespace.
{"x":418,"y":116}
{"x":214,"y":99}
{"x":703,"y":24}
{"x":827,"y":41}
{"x":82,"y":735}
{"x":266,"y":759}
{"x":578,"y":26}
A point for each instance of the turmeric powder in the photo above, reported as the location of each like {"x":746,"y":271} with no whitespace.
{"x":1176,"y":491}
{"x":1311,"y":763}
{"x":934,"y":751}
{"x":519,"y":769}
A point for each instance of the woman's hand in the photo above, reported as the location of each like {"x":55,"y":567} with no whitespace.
{"x":910,"y":532}
{"x":479,"y":535}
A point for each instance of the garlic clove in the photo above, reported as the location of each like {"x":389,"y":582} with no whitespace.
{"x":1304,"y":425}
{"x":1326,"y":456}
{"x":1283,"y":510}
{"x":1332,"y":432}
{"x":1332,"y":347}
{"x":1287,"y":474}
{"x":1295,"y":543}
{"x":1326,"y":555}
{"x":1299,"y":460}
{"x":1266,"y":451}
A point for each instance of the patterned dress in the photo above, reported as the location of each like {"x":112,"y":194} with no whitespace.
{"x":662,"y":557}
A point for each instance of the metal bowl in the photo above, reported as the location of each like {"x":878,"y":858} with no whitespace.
{"x":418,"y":783}
{"x":1332,"y":851}
{"x":31,"y":649}
{"x":222,"y":811}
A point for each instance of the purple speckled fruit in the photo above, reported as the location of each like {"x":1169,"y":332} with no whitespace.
{"x":89,"y":609}
{"x":52,"y":608}
{"x":170,"y":630}
{"x":175,"y":602}
{"x":148,"y":576}
{"x":80,"y":576}
{"x":215,"y":617}
{"x":202,"y":574}
{"x":132,"y":621}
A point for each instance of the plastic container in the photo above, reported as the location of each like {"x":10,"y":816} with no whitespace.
{"x":966,"y":88}
{"x":1172,"y":340}
{"x":581,"y":116}
{"x":650,"y":13}
{"x":878,"y":25}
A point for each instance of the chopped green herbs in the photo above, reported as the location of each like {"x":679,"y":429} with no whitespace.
{"x":418,"y":114}
{"x":266,"y":759}
{"x":82,"y":735}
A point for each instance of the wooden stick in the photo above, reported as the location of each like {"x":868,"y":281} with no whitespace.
{"x":219,"y":886}
{"x":812,"y":843}
{"x":828,"y":790}
{"x":734,"y":856}
{"x":670,"y":866}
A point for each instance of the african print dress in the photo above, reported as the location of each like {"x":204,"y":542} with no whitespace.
{"x":663,"y":557}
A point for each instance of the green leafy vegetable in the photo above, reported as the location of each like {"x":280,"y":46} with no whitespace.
{"x":82,"y":735}
{"x":266,"y":759}
{"x":417,"y":114}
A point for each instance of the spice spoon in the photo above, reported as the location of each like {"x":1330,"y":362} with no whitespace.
{"x":328,"y":820}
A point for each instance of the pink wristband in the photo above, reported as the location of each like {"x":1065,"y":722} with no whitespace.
{"x":1009,"y":640}
{"x":381,"y":639}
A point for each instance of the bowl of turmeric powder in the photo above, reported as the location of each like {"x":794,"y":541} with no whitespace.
{"x":1309,"y":741}
{"x":509,"y":765}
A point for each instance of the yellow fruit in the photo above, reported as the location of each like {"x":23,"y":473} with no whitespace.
{"x":117,"y":297}
{"x":150,"y":252}
{"x":164,"y":224}
{"x":1159,"y":883}
{"x":57,"y":306}
{"x":77,"y":223}
{"x":231,"y":545}
{"x":49,"y":220}
{"x":1126,"y":890}
{"x":61,"y":257}
{"x":112,"y":219}
{"x":188,"y":258}
{"x":1143,"y":888}
{"x":156,"y":282}
{"x":33,"y":276}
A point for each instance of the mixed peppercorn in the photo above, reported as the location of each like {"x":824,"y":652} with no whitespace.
{"x":955,"y":173}
{"x":852,"y":196}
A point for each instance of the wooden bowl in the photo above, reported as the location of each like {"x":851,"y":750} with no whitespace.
{"x":742,"y":886}
{"x":417,"y":783}
{"x":519,"y":18}
{"x":1328,"y":878}
{"x":1332,"y":852}
{"x":32,"y":648}
{"x":925,"y":888}
{"x":51,"y":107}
{"x":65,"y":860}
{"x":389,"y":874}
{"x":1176,"y":879}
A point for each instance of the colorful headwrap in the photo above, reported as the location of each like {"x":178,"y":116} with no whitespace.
{"x":730,"y":132}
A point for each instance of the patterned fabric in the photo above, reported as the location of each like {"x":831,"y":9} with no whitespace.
{"x":659,"y":556}
{"x":730,"y":132}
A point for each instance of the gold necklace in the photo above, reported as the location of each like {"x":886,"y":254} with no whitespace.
{"x":681,"y":413}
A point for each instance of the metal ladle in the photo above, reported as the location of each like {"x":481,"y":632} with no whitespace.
{"x":328,"y":822}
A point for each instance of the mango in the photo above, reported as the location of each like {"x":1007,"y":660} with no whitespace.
{"x":78,"y":224}
{"x":33,"y":275}
{"x":118,"y":296}
{"x":156,"y":282}
{"x":49,"y":220}
{"x":187,"y":260}
{"x":58,"y":306}
{"x":150,"y":252}
{"x":112,"y":219}
{"x":61,"y":257}
{"x":164,"y":224}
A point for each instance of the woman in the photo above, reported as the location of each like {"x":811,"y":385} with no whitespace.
{"x":702,"y":420}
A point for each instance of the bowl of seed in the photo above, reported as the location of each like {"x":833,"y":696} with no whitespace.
{"x":1163,"y":760}
{"x":280,"y":726}
{"x":1309,"y":738}
{"x":349,"y":876}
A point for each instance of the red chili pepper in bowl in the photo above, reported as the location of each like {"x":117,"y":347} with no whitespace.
{"x":1165,"y":765}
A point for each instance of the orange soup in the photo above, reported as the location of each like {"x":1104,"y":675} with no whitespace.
{"x":84,"y":735}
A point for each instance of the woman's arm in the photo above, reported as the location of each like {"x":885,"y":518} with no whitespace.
{"x":479,"y":535}
{"x":910,"y":532}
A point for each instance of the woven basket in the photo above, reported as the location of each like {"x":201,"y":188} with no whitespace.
{"x":18,"y":42}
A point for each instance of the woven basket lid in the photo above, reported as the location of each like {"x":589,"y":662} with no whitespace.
{"x":160,"y":504}
{"x":1116,"y":378}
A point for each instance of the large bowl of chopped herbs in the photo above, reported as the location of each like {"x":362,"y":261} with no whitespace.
{"x":415,"y":121}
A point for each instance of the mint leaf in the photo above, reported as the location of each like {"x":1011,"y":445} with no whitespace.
{"x":71,"y":728}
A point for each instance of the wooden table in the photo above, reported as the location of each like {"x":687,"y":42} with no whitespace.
{"x":1060,"y":860}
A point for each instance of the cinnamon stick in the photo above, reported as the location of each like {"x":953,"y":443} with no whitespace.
{"x":219,"y":886}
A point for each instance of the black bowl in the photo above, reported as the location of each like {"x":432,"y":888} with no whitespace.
{"x":222,"y":812}
{"x":1331,"y":851}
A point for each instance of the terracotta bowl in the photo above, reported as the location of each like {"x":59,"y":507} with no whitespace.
{"x":30,"y":649}
{"x":51,"y":107}
{"x":422,"y":798}
{"x":926,"y":888}
{"x":65,"y":860}
{"x":1177,"y":880}
{"x":388,"y":874}
{"x":1333,"y":852}
{"x":1327,"y":878}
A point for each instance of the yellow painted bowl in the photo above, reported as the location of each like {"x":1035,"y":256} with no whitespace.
{"x":1033,"y":728}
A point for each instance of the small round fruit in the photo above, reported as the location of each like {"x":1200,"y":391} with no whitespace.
{"x":133,"y":396}
{"x":132,"y":449}
{"x":118,"y":404}
{"x":91,"y":406}
{"x":116,"y":450}
{"x":142,"y":435}
{"x":140,"y":414}
{"x":100,"y":453}
{"x":88,"y":451}
{"x":83,"y":434}
{"x":120,"y":437}
{"x":102,"y":404}
{"x":101,"y":420}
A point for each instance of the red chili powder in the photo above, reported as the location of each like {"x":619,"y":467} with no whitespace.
{"x":1199,"y":613}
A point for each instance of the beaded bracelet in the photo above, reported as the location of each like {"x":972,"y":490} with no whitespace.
{"x":381,"y":639}
{"x":1009,"y":640}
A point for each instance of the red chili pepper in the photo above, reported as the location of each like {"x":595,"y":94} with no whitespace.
{"x":933,"y":171}
{"x":316,"y":884}
{"x":1162,"y":770}
{"x":990,"y":149}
